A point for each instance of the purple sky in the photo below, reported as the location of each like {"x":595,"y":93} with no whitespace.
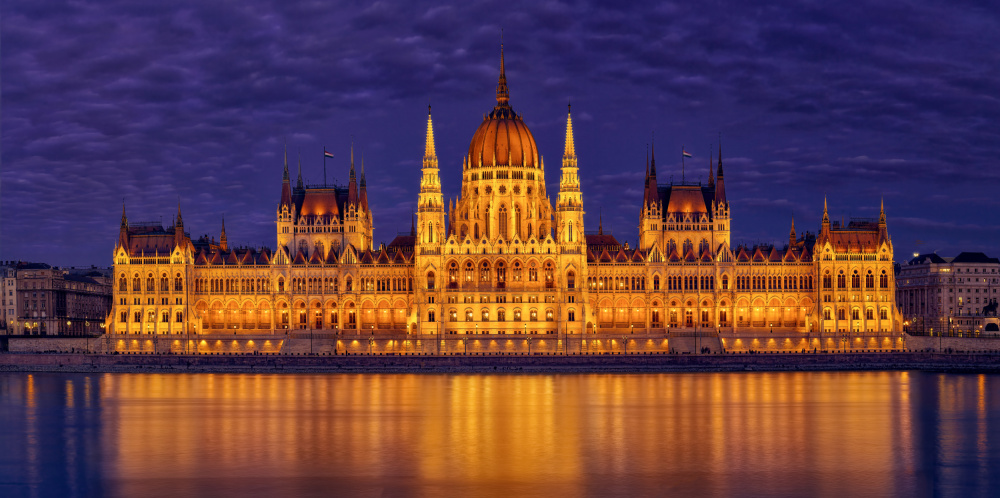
{"x":855,"y":100}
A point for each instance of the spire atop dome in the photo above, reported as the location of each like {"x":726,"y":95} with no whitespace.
{"x":298,"y":182}
{"x":503,"y":93}
{"x":285,"y":176}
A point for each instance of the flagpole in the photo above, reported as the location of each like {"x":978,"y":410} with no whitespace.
{"x":324,"y":166}
{"x":682,"y":165}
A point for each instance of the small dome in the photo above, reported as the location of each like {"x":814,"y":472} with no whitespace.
{"x":503,"y":139}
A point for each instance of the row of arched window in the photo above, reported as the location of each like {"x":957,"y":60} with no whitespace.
{"x":883,"y":314}
{"x":151,"y":283}
{"x":233,"y":285}
{"x":869,"y":279}
{"x":774,"y":282}
{"x":501,"y":315}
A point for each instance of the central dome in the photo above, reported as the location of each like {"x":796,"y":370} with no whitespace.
{"x":503,"y":139}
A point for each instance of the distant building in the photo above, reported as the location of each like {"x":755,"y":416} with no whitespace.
{"x":8,"y":291}
{"x":52,"y":301}
{"x":953,"y":295}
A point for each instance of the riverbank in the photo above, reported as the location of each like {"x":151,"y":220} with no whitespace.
{"x":639,"y":363}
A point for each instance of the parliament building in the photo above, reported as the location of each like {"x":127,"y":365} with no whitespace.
{"x":505,"y":258}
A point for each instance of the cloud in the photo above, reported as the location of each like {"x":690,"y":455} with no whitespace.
{"x":152,"y":102}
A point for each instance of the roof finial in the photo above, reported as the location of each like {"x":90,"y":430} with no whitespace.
{"x":124,"y":218}
{"x":298,"y":183}
{"x":600,"y":222}
{"x":429,"y":149}
{"x":570,"y":150}
{"x":285,"y":175}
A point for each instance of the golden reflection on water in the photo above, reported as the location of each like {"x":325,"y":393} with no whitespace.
{"x":580,"y":434}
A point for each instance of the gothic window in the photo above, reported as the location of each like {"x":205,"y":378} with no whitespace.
{"x":453,"y":275}
{"x":532,"y":273}
{"x":826,"y":313}
{"x":549,"y":275}
{"x":485,"y":313}
{"x":855,"y":314}
{"x":702,"y":247}
{"x":468,"y":315}
{"x":869,"y":314}
{"x":571,"y":280}
{"x":671,"y":247}
{"x":348,"y":284}
{"x":725,"y":282}
{"x":502,"y":222}
{"x":571,"y":231}
{"x":656,"y":282}
{"x":841,"y":314}
{"x":883,"y":314}
{"x":484,"y":272}
{"x":475,"y":231}
{"x":688,"y":246}
{"x":122,"y":284}
{"x":468,"y":271}
{"x":841,"y":280}
{"x":501,"y":273}
{"x":827,"y":281}
{"x":855,"y":280}
{"x":517,"y":271}
{"x":869,"y":280}
{"x":149,"y":284}
{"x":883,"y":280}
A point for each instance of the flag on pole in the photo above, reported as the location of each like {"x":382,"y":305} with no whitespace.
{"x":327,"y":154}
{"x":685,"y":153}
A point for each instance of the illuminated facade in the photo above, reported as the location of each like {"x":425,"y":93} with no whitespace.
{"x":503,"y":259}
{"x":953,"y":295}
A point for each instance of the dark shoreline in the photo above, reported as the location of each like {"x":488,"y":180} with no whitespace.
{"x":762,"y":362}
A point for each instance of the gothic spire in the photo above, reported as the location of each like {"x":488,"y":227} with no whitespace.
{"x":720,"y":183}
{"x":503,"y":93}
{"x":222,"y":238}
{"x":429,"y":150}
{"x":298,"y":183}
{"x":600,"y":222}
{"x":570,"y":150}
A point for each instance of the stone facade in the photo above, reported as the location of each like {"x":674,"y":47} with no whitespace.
{"x":506,"y":261}
{"x":950,"y":295}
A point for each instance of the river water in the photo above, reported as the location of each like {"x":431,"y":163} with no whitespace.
{"x":701,"y":434}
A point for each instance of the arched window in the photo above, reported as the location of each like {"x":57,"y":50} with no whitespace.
{"x":517,"y":223}
{"x":725,"y":282}
{"x":570,"y":235}
{"x":656,"y":282}
{"x":501,"y":273}
{"x":468,"y":271}
{"x":164,"y":283}
{"x":841,"y":280}
{"x":475,"y":231}
{"x":688,"y":247}
{"x":855,"y":314}
{"x":468,"y":315}
{"x":883,"y":280}
{"x":150,"y":285}
{"x":869,"y":280}
{"x":122,"y":284}
{"x":484,"y":272}
{"x":485,"y":313}
{"x":855,"y":280}
{"x":571,"y":280}
{"x":841,"y":314}
{"x":549,"y":275}
{"x":502,"y":222}
{"x":178,"y":283}
{"x":453,"y":275}
{"x":869,"y":314}
{"x":826,"y":313}
{"x":827,"y":281}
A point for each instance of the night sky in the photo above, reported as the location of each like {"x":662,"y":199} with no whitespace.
{"x":191,"y":102}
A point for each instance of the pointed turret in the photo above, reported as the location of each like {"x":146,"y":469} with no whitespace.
{"x":570,"y":205}
{"x":298,"y":183}
{"x":720,"y":184}
{"x":653,"y":192}
{"x":413,"y":225}
{"x":286,"y":186}
{"x":429,"y":150}
{"x":123,"y":231}
{"x":883,"y":232}
{"x":600,"y":223}
{"x":791,"y":234}
{"x":223,"y":240}
{"x":178,"y":227}
{"x":352,"y":187}
{"x":826,"y":218}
